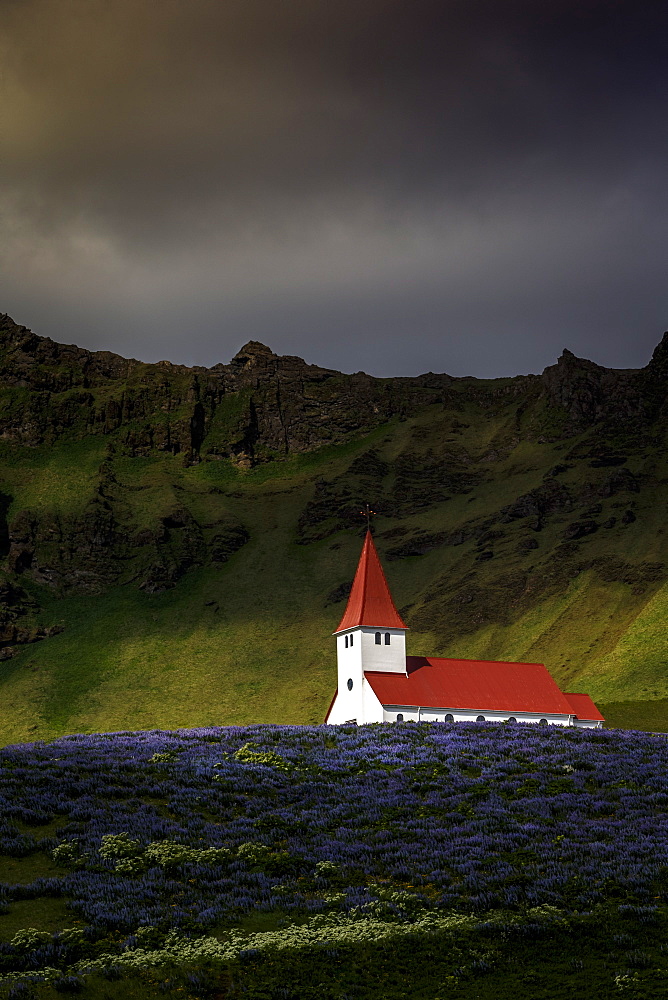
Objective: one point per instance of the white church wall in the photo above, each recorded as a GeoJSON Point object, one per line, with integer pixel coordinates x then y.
{"type": "Point", "coordinates": [349, 700]}
{"type": "Point", "coordinates": [387, 658]}
{"type": "Point", "coordinates": [362, 708]}
{"type": "Point", "coordinates": [372, 710]}
{"type": "Point", "coordinates": [408, 713]}
{"type": "Point", "coordinates": [416, 714]}
{"type": "Point", "coordinates": [357, 651]}
{"type": "Point", "coordinates": [334, 714]}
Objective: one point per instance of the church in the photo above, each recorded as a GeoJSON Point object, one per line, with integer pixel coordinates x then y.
{"type": "Point", "coordinates": [377, 682]}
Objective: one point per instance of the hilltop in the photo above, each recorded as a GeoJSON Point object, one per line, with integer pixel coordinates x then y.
{"type": "Point", "coordinates": [177, 542]}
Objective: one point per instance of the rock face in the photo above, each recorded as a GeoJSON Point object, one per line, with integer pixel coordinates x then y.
{"type": "Point", "coordinates": [586, 393]}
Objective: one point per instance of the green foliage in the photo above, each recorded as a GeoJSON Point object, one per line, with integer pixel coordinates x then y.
{"type": "Point", "coordinates": [259, 857]}
{"type": "Point", "coordinates": [67, 852]}
{"type": "Point", "coordinates": [133, 859]}
{"type": "Point", "coordinates": [327, 869]}
{"type": "Point", "coordinates": [149, 937]}
{"type": "Point", "coordinates": [392, 901]}
{"type": "Point", "coordinates": [29, 938]}
{"type": "Point", "coordinates": [498, 956]}
{"type": "Point", "coordinates": [72, 938]}
{"type": "Point", "coordinates": [119, 845]}
{"type": "Point", "coordinates": [250, 756]}
{"type": "Point", "coordinates": [131, 866]}
{"type": "Point", "coordinates": [167, 854]}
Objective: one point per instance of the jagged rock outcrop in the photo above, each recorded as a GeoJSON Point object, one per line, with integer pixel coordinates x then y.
{"type": "Point", "coordinates": [657, 369]}
{"type": "Point", "coordinates": [587, 393]}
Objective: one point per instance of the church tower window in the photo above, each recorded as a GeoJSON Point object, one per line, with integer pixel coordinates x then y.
{"type": "Point", "coordinates": [387, 638]}
{"type": "Point", "coordinates": [378, 638]}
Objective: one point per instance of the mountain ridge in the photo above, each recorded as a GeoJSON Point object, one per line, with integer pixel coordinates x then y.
{"type": "Point", "coordinates": [587, 391]}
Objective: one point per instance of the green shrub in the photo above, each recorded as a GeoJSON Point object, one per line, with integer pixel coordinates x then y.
{"type": "Point", "coordinates": [68, 852]}
{"type": "Point", "coordinates": [248, 755]}
{"type": "Point", "coordinates": [28, 938]}
{"type": "Point", "coordinates": [259, 857]}
{"type": "Point", "coordinates": [119, 845]}
{"type": "Point", "coordinates": [167, 854]}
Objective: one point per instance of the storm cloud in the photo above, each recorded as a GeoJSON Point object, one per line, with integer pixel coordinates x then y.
{"type": "Point", "coordinates": [395, 185]}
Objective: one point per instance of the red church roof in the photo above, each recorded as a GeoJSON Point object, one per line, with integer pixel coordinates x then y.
{"type": "Point", "coordinates": [370, 602]}
{"type": "Point", "coordinates": [434, 682]}
{"type": "Point", "coordinates": [583, 707]}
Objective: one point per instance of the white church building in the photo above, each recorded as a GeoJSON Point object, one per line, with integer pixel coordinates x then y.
{"type": "Point", "coordinates": [377, 682]}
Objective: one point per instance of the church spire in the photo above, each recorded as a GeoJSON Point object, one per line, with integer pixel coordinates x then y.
{"type": "Point", "coordinates": [370, 602]}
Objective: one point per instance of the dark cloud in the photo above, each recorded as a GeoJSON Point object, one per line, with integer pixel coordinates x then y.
{"type": "Point", "coordinates": [394, 185]}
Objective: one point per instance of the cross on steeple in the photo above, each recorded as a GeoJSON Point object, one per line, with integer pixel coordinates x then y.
{"type": "Point", "coordinates": [367, 513]}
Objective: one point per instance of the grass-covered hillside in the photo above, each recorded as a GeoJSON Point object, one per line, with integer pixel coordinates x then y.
{"type": "Point", "coordinates": [177, 543]}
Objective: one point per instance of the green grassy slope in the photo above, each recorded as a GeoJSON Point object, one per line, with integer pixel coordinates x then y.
{"type": "Point", "coordinates": [249, 639]}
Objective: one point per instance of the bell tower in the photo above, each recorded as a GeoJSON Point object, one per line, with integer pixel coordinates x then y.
{"type": "Point", "coordinates": [370, 636]}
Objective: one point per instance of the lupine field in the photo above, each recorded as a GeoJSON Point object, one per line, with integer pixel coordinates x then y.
{"type": "Point", "coordinates": [390, 860]}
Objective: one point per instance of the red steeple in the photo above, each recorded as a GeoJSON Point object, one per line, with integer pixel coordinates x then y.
{"type": "Point", "coordinates": [370, 602]}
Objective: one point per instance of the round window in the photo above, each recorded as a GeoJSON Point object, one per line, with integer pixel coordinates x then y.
{"type": "Point", "coordinates": [543, 722]}
{"type": "Point", "coordinates": [350, 683]}
{"type": "Point", "coordinates": [481, 718]}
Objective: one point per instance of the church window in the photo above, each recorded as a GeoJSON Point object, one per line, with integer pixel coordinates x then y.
{"type": "Point", "coordinates": [512, 719]}
{"type": "Point", "coordinates": [346, 642]}
{"type": "Point", "coordinates": [400, 717]}
{"type": "Point", "coordinates": [350, 683]}
{"type": "Point", "coordinates": [387, 638]}
{"type": "Point", "coordinates": [543, 722]}
{"type": "Point", "coordinates": [351, 639]}
{"type": "Point", "coordinates": [449, 717]}
{"type": "Point", "coordinates": [378, 638]}
{"type": "Point", "coordinates": [481, 718]}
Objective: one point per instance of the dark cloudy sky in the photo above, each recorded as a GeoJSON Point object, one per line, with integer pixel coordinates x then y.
{"type": "Point", "coordinates": [389, 185]}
